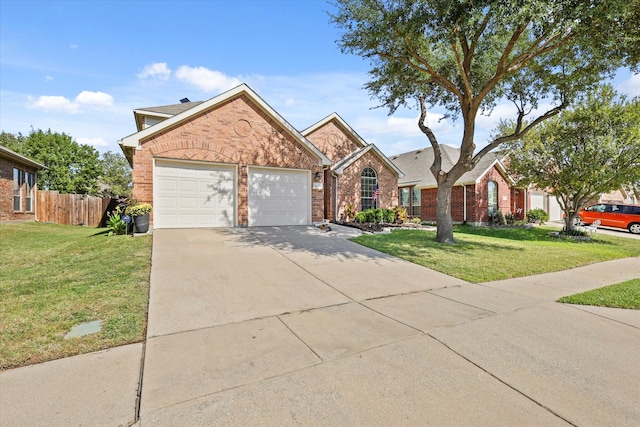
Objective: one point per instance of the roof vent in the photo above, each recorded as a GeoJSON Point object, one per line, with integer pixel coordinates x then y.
{"type": "Point", "coordinates": [184, 100]}
{"type": "Point", "coordinates": [420, 151]}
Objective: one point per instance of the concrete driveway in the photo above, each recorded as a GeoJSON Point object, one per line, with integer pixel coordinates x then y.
{"type": "Point", "coordinates": [295, 326]}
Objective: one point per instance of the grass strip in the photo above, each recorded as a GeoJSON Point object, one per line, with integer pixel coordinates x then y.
{"type": "Point", "coordinates": [621, 295]}
{"type": "Point", "coordinates": [53, 277]}
{"type": "Point", "coordinates": [484, 254]}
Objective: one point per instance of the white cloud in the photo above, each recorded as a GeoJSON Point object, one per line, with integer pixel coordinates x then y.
{"type": "Point", "coordinates": [53, 103]}
{"type": "Point", "coordinates": [406, 127]}
{"type": "Point", "coordinates": [157, 71]}
{"type": "Point", "coordinates": [631, 86]}
{"type": "Point", "coordinates": [73, 46]}
{"type": "Point", "coordinates": [61, 104]}
{"type": "Point", "coordinates": [205, 79]}
{"type": "Point", "coordinates": [48, 78]}
{"type": "Point", "coordinates": [93, 142]}
{"type": "Point", "coordinates": [98, 99]}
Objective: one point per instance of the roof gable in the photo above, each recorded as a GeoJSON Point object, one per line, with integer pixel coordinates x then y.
{"type": "Point", "coordinates": [338, 121]}
{"type": "Point", "coordinates": [343, 164]}
{"type": "Point", "coordinates": [133, 141]}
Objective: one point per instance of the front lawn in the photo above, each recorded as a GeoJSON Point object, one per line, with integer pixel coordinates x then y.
{"type": "Point", "coordinates": [483, 254]}
{"type": "Point", "coordinates": [53, 277]}
{"type": "Point", "coordinates": [621, 295]}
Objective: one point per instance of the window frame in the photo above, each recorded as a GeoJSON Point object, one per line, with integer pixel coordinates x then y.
{"type": "Point", "coordinates": [18, 178]}
{"type": "Point", "coordinates": [416, 202]}
{"type": "Point", "coordinates": [492, 205]}
{"type": "Point", "coordinates": [30, 182]}
{"type": "Point", "coordinates": [368, 182]}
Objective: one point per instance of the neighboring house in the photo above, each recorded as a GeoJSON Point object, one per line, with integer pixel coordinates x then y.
{"type": "Point", "coordinates": [234, 161]}
{"type": "Point", "coordinates": [18, 176]}
{"type": "Point", "coordinates": [476, 195]}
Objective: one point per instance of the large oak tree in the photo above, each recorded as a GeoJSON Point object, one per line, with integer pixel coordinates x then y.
{"type": "Point", "coordinates": [466, 56]}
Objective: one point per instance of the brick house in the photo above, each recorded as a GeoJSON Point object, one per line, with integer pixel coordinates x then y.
{"type": "Point", "coordinates": [477, 194]}
{"type": "Point", "coordinates": [234, 161]}
{"type": "Point", "coordinates": [18, 176]}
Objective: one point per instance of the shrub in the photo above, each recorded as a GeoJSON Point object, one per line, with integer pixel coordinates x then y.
{"type": "Point", "coordinates": [498, 218]}
{"type": "Point", "coordinates": [510, 218]}
{"type": "Point", "coordinates": [115, 223]}
{"type": "Point", "coordinates": [376, 216]}
{"type": "Point", "coordinates": [360, 218]}
{"type": "Point", "coordinates": [537, 215]}
{"type": "Point", "coordinates": [400, 214]}
{"type": "Point", "coordinates": [350, 212]}
{"type": "Point", "coordinates": [138, 209]}
{"type": "Point", "coordinates": [388, 216]}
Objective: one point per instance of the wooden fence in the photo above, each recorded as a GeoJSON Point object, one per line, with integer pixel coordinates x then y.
{"type": "Point", "coordinates": [71, 209]}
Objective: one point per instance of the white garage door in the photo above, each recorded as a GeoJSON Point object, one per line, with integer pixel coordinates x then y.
{"type": "Point", "coordinates": [537, 202]}
{"type": "Point", "coordinates": [555, 211]}
{"type": "Point", "coordinates": [192, 195]}
{"type": "Point", "coordinates": [279, 197]}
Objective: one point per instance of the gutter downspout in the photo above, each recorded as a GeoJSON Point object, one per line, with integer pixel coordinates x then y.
{"type": "Point", "coordinates": [335, 199]}
{"type": "Point", "coordinates": [464, 199]}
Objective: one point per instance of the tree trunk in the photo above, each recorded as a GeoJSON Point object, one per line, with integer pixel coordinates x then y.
{"type": "Point", "coordinates": [444, 224]}
{"type": "Point", "coordinates": [569, 221]}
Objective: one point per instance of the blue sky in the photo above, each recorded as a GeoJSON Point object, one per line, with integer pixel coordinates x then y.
{"type": "Point", "coordinates": [81, 67]}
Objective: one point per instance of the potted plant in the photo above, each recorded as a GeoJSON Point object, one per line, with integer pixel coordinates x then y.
{"type": "Point", "coordinates": [140, 214]}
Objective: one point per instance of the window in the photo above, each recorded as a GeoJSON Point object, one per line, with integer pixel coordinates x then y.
{"type": "Point", "coordinates": [30, 180]}
{"type": "Point", "coordinates": [368, 185]}
{"type": "Point", "coordinates": [17, 189]}
{"type": "Point", "coordinates": [492, 197]}
{"type": "Point", "coordinates": [413, 207]}
{"type": "Point", "coordinates": [415, 202]}
{"type": "Point", "coordinates": [403, 198]}
{"type": "Point", "coordinates": [596, 208]}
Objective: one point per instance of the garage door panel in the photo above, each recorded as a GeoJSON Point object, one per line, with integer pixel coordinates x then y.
{"type": "Point", "coordinates": [190, 195]}
{"type": "Point", "coordinates": [279, 197]}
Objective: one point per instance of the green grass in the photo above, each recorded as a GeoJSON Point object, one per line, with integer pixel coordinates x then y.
{"type": "Point", "coordinates": [622, 295]}
{"type": "Point", "coordinates": [53, 277]}
{"type": "Point", "coordinates": [483, 254]}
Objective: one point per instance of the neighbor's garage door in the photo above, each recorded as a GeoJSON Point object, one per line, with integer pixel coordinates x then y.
{"type": "Point", "coordinates": [279, 197]}
{"type": "Point", "coordinates": [191, 195]}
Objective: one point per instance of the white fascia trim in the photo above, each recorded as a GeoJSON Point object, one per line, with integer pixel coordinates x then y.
{"type": "Point", "coordinates": [134, 139]}
{"type": "Point", "coordinates": [501, 169]}
{"type": "Point", "coordinates": [340, 120]}
{"type": "Point", "coordinates": [358, 154]}
{"type": "Point", "coordinates": [151, 113]}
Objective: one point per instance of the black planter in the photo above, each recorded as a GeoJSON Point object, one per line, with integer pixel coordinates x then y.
{"type": "Point", "coordinates": [142, 223]}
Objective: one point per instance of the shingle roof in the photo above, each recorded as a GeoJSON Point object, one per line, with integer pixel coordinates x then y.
{"type": "Point", "coordinates": [415, 165]}
{"type": "Point", "coordinates": [172, 109]}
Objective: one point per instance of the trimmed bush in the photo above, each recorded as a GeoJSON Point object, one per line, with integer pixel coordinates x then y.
{"type": "Point", "coordinates": [537, 215]}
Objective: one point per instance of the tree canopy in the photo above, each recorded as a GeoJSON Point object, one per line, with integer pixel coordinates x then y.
{"type": "Point", "coordinates": [115, 179]}
{"type": "Point", "coordinates": [587, 150]}
{"type": "Point", "coordinates": [71, 167]}
{"type": "Point", "coordinates": [466, 56]}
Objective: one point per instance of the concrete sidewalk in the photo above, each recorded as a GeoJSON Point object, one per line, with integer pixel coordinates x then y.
{"type": "Point", "coordinates": [295, 326]}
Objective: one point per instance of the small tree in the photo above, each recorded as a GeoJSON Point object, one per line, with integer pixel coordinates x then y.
{"type": "Point", "coordinates": [116, 175]}
{"type": "Point", "coordinates": [591, 149]}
